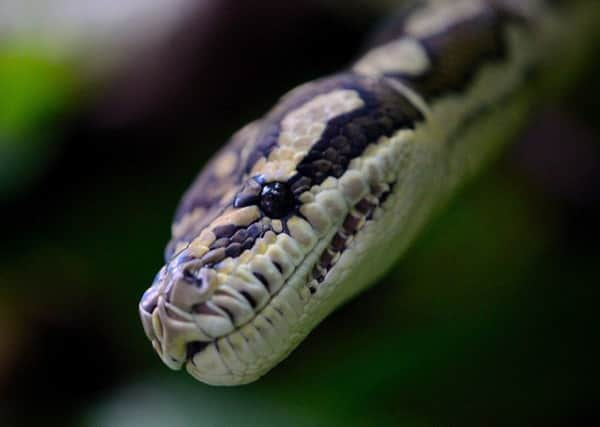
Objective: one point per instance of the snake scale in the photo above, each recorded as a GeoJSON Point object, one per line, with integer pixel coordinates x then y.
{"type": "Point", "coordinates": [307, 206]}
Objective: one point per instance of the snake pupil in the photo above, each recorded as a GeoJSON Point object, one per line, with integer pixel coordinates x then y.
{"type": "Point", "coordinates": [276, 199]}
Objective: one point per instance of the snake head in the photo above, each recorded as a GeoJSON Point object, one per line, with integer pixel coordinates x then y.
{"type": "Point", "coordinates": [268, 240]}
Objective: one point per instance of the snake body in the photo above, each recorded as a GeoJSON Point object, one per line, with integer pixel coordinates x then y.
{"type": "Point", "coordinates": [307, 206]}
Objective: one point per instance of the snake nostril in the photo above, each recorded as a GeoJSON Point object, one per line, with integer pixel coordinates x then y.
{"type": "Point", "coordinates": [192, 276]}
{"type": "Point", "coordinates": [194, 347]}
{"type": "Point", "coordinates": [189, 276]}
{"type": "Point", "coordinates": [203, 279]}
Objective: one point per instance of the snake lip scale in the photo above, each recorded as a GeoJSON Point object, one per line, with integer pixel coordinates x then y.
{"type": "Point", "coordinates": [305, 207]}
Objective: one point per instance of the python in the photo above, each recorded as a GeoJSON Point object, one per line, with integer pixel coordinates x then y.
{"type": "Point", "coordinates": [307, 206]}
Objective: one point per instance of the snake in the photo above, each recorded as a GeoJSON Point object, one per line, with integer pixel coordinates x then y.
{"type": "Point", "coordinates": [310, 204]}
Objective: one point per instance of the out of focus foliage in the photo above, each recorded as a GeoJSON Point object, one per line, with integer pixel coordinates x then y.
{"type": "Point", "coordinates": [35, 91]}
{"type": "Point", "coordinates": [490, 319]}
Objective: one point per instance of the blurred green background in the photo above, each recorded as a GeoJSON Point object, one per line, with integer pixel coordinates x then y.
{"type": "Point", "coordinates": [108, 110]}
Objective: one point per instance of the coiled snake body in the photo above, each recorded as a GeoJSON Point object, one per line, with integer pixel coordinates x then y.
{"type": "Point", "coordinates": [310, 204]}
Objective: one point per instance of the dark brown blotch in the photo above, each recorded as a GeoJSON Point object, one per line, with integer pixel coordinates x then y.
{"type": "Point", "coordinates": [364, 206]}
{"type": "Point", "coordinates": [213, 256]}
{"type": "Point", "coordinates": [338, 243]}
{"type": "Point", "coordinates": [326, 259]}
{"type": "Point", "coordinates": [352, 223]}
{"type": "Point", "coordinates": [239, 236]}
{"type": "Point", "coordinates": [225, 230]}
{"type": "Point", "coordinates": [233, 250]}
{"type": "Point", "coordinates": [220, 243]}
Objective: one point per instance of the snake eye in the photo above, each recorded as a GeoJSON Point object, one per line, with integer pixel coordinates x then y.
{"type": "Point", "coordinates": [276, 199]}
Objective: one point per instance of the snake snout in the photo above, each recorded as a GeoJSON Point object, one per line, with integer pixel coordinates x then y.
{"type": "Point", "coordinates": [171, 331]}
{"type": "Point", "coordinates": [168, 307]}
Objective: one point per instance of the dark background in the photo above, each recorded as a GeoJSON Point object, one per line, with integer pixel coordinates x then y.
{"type": "Point", "coordinates": [489, 319]}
